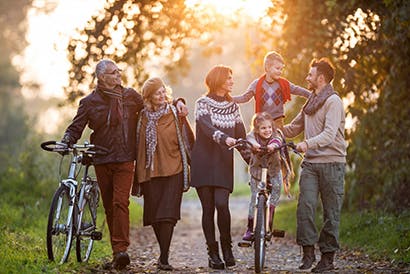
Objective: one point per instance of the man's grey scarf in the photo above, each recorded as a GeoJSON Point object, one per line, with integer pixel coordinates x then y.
{"type": "Point", "coordinates": [151, 133]}
{"type": "Point", "coordinates": [315, 102]}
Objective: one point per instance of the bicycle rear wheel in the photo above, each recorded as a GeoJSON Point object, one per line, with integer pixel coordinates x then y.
{"type": "Point", "coordinates": [87, 224]}
{"type": "Point", "coordinates": [260, 233]}
{"type": "Point", "coordinates": [60, 226]}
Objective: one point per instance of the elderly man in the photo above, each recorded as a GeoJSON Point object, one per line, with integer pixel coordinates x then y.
{"type": "Point", "coordinates": [323, 121]}
{"type": "Point", "coordinates": [111, 112]}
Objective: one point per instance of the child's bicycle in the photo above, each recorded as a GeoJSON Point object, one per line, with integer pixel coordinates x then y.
{"type": "Point", "coordinates": [262, 230]}
{"type": "Point", "coordinates": [73, 210]}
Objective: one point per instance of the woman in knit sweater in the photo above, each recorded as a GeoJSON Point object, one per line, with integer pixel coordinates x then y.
{"type": "Point", "coordinates": [218, 125]}
{"type": "Point", "coordinates": [163, 165]}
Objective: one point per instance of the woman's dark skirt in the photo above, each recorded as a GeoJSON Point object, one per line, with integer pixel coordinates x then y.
{"type": "Point", "coordinates": [162, 199]}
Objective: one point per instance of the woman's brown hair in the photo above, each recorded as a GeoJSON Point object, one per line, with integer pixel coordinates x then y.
{"type": "Point", "coordinates": [216, 77]}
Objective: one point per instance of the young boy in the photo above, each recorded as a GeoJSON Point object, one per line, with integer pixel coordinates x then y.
{"type": "Point", "coordinates": [271, 91]}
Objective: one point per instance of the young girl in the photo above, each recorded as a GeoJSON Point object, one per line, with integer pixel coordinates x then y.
{"type": "Point", "coordinates": [264, 133]}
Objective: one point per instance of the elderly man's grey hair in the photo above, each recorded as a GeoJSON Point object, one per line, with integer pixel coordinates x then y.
{"type": "Point", "coordinates": [102, 66]}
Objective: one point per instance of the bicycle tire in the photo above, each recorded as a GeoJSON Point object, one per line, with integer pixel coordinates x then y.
{"type": "Point", "coordinates": [60, 226]}
{"type": "Point", "coordinates": [87, 223]}
{"type": "Point", "coordinates": [260, 234]}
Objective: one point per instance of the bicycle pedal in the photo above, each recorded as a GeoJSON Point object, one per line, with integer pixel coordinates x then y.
{"type": "Point", "coordinates": [96, 235]}
{"type": "Point", "coordinates": [278, 233]}
{"type": "Point", "coordinates": [245, 244]}
{"type": "Point", "coordinates": [85, 226]}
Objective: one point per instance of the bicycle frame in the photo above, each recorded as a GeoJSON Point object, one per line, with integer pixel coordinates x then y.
{"type": "Point", "coordinates": [263, 232]}
{"type": "Point", "coordinates": [263, 190]}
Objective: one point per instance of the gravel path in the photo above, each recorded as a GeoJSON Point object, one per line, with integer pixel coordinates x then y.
{"type": "Point", "coordinates": [188, 250]}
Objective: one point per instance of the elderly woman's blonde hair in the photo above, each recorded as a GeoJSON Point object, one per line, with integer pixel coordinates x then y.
{"type": "Point", "coordinates": [150, 86]}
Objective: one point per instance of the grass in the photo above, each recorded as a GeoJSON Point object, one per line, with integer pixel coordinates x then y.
{"type": "Point", "coordinates": [380, 235]}
{"type": "Point", "coordinates": [23, 245]}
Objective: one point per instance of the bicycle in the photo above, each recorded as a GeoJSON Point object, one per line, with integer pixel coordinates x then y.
{"type": "Point", "coordinates": [262, 230]}
{"type": "Point", "coordinates": [73, 210]}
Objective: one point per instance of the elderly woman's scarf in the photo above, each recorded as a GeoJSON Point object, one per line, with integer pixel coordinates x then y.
{"type": "Point", "coordinates": [315, 102]}
{"type": "Point", "coordinates": [151, 133]}
{"type": "Point", "coordinates": [115, 112]}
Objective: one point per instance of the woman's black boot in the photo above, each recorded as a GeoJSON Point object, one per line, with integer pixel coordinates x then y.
{"type": "Point", "coordinates": [214, 260]}
{"type": "Point", "coordinates": [227, 252]}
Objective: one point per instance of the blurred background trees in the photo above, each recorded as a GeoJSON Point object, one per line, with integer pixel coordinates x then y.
{"type": "Point", "coordinates": [368, 41]}
{"type": "Point", "coordinates": [134, 34]}
{"type": "Point", "coordinates": [13, 120]}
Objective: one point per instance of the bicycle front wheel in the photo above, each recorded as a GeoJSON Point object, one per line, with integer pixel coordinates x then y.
{"type": "Point", "coordinates": [87, 224]}
{"type": "Point", "coordinates": [260, 233]}
{"type": "Point", "coordinates": [60, 226]}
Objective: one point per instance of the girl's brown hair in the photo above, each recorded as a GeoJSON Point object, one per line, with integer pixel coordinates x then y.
{"type": "Point", "coordinates": [216, 77]}
{"type": "Point", "coordinates": [258, 118]}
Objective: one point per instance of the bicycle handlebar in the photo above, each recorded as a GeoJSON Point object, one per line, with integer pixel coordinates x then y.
{"type": "Point", "coordinates": [245, 143]}
{"type": "Point", "coordinates": [54, 146]}
{"type": "Point", "coordinates": [240, 143]}
{"type": "Point", "coordinates": [86, 148]}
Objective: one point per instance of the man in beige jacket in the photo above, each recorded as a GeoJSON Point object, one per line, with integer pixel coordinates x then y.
{"type": "Point", "coordinates": [323, 121]}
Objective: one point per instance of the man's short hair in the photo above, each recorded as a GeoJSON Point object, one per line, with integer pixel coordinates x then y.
{"type": "Point", "coordinates": [325, 67]}
{"type": "Point", "coordinates": [101, 66]}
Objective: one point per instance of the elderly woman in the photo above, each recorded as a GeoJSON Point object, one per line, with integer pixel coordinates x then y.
{"type": "Point", "coordinates": [162, 171]}
{"type": "Point", "coordinates": [218, 124]}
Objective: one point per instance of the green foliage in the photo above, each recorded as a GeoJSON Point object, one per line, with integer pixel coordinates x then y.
{"type": "Point", "coordinates": [379, 146]}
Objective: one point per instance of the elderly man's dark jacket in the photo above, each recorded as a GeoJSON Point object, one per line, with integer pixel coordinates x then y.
{"type": "Point", "coordinates": [119, 139]}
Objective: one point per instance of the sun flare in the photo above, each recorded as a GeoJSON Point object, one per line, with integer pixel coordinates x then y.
{"type": "Point", "coordinates": [252, 8]}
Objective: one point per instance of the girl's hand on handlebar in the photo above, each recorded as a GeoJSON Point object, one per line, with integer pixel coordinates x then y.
{"type": "Point", "coordinates": [230, 141]}
{"type": "Point", "coordinates": [256, 146]}
{"type": "Point", "coordinates": [272, 147]}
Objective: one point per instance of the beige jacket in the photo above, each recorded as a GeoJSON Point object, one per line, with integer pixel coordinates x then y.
{"type": "Point", "coordinates": [324, 132]}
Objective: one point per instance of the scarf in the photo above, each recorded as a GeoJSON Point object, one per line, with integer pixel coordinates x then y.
{"type": "Point", "coordinates": [284, 87]}
{"type": "Point", "coordinates": [315, 102]}
{"type": "Point", "coordinates": [151, 132]}
{"type": "Point", "coordinates": [115, 112]}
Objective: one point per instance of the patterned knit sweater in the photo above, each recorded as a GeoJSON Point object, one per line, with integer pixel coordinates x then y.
{"type": "Point", "coordinates": [272, 100]}
{"type": "Point", "coordinates": [212, 161]}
